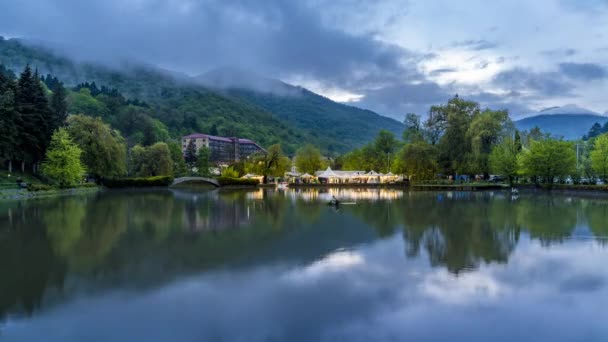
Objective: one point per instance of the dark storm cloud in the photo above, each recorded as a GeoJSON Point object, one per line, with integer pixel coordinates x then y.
{"type": "Point", "coordinates": [540, 83]}
{"type": "Point", "coordinates": [584, 71]}
{"type": "Point", "coordinates": [280, 38]}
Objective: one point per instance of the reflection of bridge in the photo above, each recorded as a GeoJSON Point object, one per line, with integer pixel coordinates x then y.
{"type": "Point", "coordinates": [180, 180]}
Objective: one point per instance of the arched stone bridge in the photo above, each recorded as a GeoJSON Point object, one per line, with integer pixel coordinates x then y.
{"type": "Point", "coordinates": [180, 180]}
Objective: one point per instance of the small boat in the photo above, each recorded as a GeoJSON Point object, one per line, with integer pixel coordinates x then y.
{"type": "Point", "coordinates": [283, 185]}
{"type": "Point", "coordinates": [514, 191]}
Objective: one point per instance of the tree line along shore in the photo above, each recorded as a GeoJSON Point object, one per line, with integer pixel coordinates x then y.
{"type": "Point", "coordinates": [49, 138]}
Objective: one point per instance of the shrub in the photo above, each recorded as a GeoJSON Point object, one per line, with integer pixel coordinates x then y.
{"type": "Point", "coordinates": [138, 182]}
{"type": "Point", "coordinates": [38, 187]}
{"type": "Point", "coordinates": [226, 181]}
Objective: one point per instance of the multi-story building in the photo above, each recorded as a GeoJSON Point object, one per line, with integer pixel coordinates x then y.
{"type": "Point", "coordinates": [223, 150]}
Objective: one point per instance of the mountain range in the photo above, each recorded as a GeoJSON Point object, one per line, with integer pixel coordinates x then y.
{"type": "Point", "coordinates": [228, 100]}
{"type": "Point", "coordinates": [570, 122]}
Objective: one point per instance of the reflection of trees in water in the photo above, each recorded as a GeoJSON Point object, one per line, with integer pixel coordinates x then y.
{"type": "Point", "coordinates": [596, 215]}
{"type": "Point", "coordinates": [28, 264]}
{"type": "Point", "coordinates": [459, 234]}
{"type": "Point", "coordinates": [462, 229]}
{"type": "Point", "coordinates": [548, 219]}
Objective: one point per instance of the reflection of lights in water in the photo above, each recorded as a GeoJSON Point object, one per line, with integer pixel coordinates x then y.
{"type": "Point", "coordinates": [310, 195]}
{"type": "Point", "coordinates": [255, 195]}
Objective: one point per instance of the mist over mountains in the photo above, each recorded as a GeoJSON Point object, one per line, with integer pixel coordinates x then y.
{"type": "Point", "coordinates": [228, 99]}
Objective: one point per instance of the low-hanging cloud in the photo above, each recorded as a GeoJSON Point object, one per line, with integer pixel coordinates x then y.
{"type": "Point", "coordinates": [311, 40]}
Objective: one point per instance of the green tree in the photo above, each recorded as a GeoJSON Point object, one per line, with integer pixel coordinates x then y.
{"type": "Point", "coordinates": [158, 160]}
{"type": "Point", "coordinates": [58, 104]}
{"type": "Point", "coordinates": [83, 102]}
{"type": "Point", "coordinates": [308, 159]}
{"type": "Point", "coordinates": [599, 156]}
{"type": "Point", "coordinates": [418, 161]}
{"type": "Point", "coordinates": [454, 120]}
{"type": "Point", "coordinates": [203, 163]}
{"type": "Point", "coordinates": [137, 161]}
{"type": "Point", "coordinates": [486, 129]}
{"type": "Point", "coordinates": [386, 143]}
{"type": "Point", "coordinates": [104, 149]}
{"type": "Point", "coordinates": [503, 158]}
{"type": "Point", "coordinates": [32, 104]}
{"type": "Point", "coordinates": [179, 164]}
{"type": "Point", "coordinates": [548, 159]}
{"type": "Point", "coordinates": [10, 128]}
{"type": "Point", "coordinates": [413, 128]}
{"type": "Point", "coordinates": [272, 163]}
{"type": "Point", "coordinates": [62, 162]}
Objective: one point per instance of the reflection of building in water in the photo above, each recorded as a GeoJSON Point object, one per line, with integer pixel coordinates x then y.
{"type": "Point", "coordinates": [214, 214]}
{"type": "Point", "coordinates": [258, 194]}
{"type": "Point", "coordinates": [346, 194]}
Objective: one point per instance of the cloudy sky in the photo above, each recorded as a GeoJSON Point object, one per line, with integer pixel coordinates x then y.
{"type": "Point", "coordinates": [393, 56]}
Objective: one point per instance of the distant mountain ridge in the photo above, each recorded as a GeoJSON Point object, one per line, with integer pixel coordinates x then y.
{"type": "Point", "coordinates": [249, 105]}
{"type": "Point", "coordinates": [350, 125]}
{"type": "Point", "coordinates": [567, 109]}
{"type": "Point", "coordinates": [568, 126]}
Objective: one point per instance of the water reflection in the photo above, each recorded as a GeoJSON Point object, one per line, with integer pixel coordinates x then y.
{"type": "Point", "coordinates": [56, 251]}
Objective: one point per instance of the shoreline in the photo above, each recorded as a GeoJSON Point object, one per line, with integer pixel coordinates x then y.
{"type": "Point", "coordinates": [22, 194]}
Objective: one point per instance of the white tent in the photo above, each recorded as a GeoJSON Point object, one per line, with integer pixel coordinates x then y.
{"type": "Point", "coordinates": [329, 173]}
{"type": "Point", "coordinates": [306, 175]}
{"type": "Point", "coordinates": [373, 173]}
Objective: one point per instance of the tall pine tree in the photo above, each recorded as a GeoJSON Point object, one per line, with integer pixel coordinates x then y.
{"type": "Point", "coordinates": [9, 119]}
{"type": "Point", "coordinates": [32, 104]}
{"type": "Point", "coordinates": [58, 106]}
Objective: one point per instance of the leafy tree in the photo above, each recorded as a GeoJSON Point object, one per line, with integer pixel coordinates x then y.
{"type": "Point", "coordinates": [599, 155]}
{"type": "Point", "coordinates": [230, 172]}
{"type": "Point", "coordinates": [158, 160]}
{"type": "Point", "coordinates": [503, 158]}
{"type": "Point", "coordinates": [413, 128]}
{"type": "Point", "coordinates": [104, 149]}
{"type": "Point", "coordinates": [486, 129]}
{"type": "Point", "coordinates": [83, 101]}
{"type": "Point", "coordinates": [179, 164]}
{"type": "Point", "coordinates": [137, 161]}
{"type": "Point", "coordinates": [272, 163]}
{"type": "Point", "coordinates": [386, 143]}
{"type": "Point", "coordinates": [548, 159]}
{"type": "Point", "coordinates": [62, 162]}
{"type": "Point", "coordinates": [454, 147]}
{"type": "Point", "coordinates": [308, 159]}
{"type": "Point", "coordinates": [418, 161]}
{"type": "Point", "coordinates": [203, 163]}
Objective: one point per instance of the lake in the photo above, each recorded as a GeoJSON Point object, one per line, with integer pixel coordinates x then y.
{"type": "Point", "coordinates": [266, 265]}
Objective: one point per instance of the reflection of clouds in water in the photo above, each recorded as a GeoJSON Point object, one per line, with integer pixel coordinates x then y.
{"type": "Point", "coordinates": [443, 286]}
{"type": "Point", "coordinates": [340, 261]}
{"type": "Point", "coordinates": [369, 293]}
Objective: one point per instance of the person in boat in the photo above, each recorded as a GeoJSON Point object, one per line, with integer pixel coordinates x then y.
{"type": "Point", "coordinates": [334, 201]}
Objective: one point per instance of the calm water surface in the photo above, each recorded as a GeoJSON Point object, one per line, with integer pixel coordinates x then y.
{"type": "Point", "coordinates": [179, 265]}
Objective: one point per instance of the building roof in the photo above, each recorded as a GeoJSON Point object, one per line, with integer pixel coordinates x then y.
{"type": "Point", "coordinates": [334, 173]}
{"type": "Point", "coordinates": [213, 137]}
